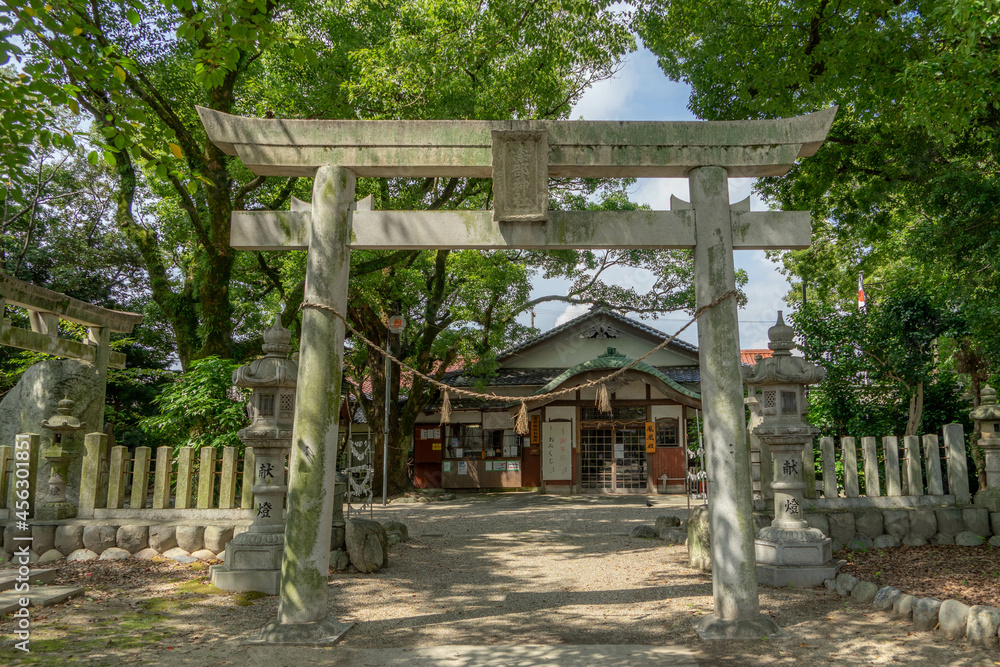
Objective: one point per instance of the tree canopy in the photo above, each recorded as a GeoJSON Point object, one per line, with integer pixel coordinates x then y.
{"type": "Point", "coordinates": [907, 186]}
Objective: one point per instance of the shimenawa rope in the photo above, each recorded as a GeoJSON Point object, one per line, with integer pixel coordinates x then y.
{"type": "Point", "coordinates": [521, 424]}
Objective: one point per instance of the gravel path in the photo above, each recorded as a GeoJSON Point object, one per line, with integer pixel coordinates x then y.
{"type": "Point", "coordinates": [509, 570]}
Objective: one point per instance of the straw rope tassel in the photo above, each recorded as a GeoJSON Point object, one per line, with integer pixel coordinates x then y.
{"type": "Point", "coordinates": [521, 425]}
{"type": "Point", "coordinates": [603, 399]}
{"type": "Point", "coordinates": [445, 410]}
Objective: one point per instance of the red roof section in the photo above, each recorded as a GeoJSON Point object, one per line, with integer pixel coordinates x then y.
{"type": "Point", "coordinates": [407, 377]}
{"type": "Point", "coordinates": [747, 356]}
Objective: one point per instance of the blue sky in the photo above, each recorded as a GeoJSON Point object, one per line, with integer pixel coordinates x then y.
{"type": "Point", "coordinates": [640, 91]}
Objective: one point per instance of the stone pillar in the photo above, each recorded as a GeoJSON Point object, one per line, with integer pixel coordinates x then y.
{"type": "Point", "coordinates": [730, 501]}
{"type": "Point", "coordinates": [302, 613]}
{"type": "Point", "coordinates": [24, 467]}
{"type": "Point", "coordinates": [958, 463]}
{"type": "Point", "coordinates": [870, 453]}
{"type": "Point", "coordinates": [764, 474]}
{"type": "Point", "coordinates": [100, 337]}
{"type": "Point", "coordinates": [95, 446]}
{"type": "Point", "coordinates": [890, 451]}
{"type": "Point", "coordinates": [849, 457]}
{"type": "Point", "coordinates": [809, 469]}
{"type": "Point", "coordinates": [914, 477]}
{"type": "Point", "coordinates": [829, 468]}
{"type": "Point", "coordinates": [987, 416]}
{"type": "Point", "coordinates": [338, 531]}
{"type": "Point", "coordinates": [788, 484]}
{"type": "Point", "coordinates": [932, 453]}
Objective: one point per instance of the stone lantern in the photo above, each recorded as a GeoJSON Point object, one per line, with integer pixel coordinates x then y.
{"type": "Point", "coordinates": [988, 417]}
{"type": "Point", "coordinates": [60, 454]}
{"type": "Point", "coordinates": [253, 558]}
{"type": "Point", "coordinates": [789, 552]}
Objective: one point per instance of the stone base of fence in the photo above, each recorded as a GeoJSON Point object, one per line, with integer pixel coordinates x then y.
{"type": "Point", "coordinates": [878, 502]}
{"type": "Point", "coordinates": [91, 539]}
{"type": "Point", "coordinates": [916, 526]}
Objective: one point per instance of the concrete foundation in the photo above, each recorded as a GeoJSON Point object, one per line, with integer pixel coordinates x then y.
{"type": "Point", "coordinates": [758, 627]}
{"type": "Point", "coordinates": [327, 631]}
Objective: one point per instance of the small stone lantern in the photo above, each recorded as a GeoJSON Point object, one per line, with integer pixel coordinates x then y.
{"type": "Point", "coordinates": [60, 454]}
{"type": "Point", "coordinates": [988, 417]}
{"type": "Point", "coordinates": [789, 552]}
{"type": "Point", "coordinates": [253, 558]}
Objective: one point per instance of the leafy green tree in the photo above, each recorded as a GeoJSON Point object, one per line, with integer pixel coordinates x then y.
{"type": "Point", "coordinates": [884, 373]}
{"type": "Point", "coordinates": [136, 70]}
{"type": "Point", "coordinates": [906, 185]}
{"type": "Point", "coordinates": [56, 231]}
{"type": "Point", "coordinates": [200, 408]}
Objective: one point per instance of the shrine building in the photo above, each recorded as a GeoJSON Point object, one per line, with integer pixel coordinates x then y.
{"type": "Point", "coordinates": [573, 447]}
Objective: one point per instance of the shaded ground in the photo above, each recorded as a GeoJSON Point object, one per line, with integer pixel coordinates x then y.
{"type": "Point", "coordinates": [967, 574]}
{"type": "Point", "coordinates": [485, 570]}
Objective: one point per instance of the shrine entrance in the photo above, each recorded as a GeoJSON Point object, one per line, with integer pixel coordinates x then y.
{"type": "Point", "coordinates": [613, 459]}
{"type": "Point", "coordinates": [520, 156]}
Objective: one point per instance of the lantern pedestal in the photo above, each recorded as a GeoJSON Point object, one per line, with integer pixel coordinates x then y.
{"type": "Point", "coordinates": [800, 559]}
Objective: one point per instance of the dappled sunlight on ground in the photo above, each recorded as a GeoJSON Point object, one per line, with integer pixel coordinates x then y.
{"type": "Point", "coordinates": [508, 571]}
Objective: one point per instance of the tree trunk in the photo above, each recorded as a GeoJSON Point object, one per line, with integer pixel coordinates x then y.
{"type": "Point", "coordinates": [916, 410]}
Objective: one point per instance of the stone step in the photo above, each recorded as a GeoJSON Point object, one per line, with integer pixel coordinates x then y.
{"type": "Point", "coordinates": [8, 578]}
{"type": "Point", "coordinates": [40, 596]}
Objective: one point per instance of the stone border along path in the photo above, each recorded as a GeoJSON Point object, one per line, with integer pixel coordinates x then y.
{"type": "Point", "coordinates": [77, 542]}
{"type": "Point", "coordinates": [980, 624]}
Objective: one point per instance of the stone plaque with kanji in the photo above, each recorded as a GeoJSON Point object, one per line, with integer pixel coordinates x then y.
{"type": "Point", "coordinates": [520, 175]}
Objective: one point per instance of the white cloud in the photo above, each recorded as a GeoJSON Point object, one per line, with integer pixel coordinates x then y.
{"type": "Point", "coordinates": [572, 311]}
{"type": "Point", "coordinates": [640, 91]}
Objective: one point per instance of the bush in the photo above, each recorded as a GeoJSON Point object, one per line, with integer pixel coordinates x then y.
{"type": "Point", "coordinates": [201, 408]}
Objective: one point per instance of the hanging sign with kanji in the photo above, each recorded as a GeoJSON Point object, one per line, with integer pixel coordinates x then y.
{"type": "Point", "coordinates": [536, 430]}
{"type": "Point", "coordinates": [650, 437]}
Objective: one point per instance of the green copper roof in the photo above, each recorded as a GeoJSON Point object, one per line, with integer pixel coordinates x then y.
{"type": "Point", "coordinates": [611, 360]}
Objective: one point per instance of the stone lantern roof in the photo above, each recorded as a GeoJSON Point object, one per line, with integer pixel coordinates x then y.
{"type": "Point", "coordinates": [782, 368]}
{"type": "Point", "coordinates": [64, 421]}
{"type": "Point", "coordinates": [988, 411]}
{"type": "Point", "coordinates": [274, 369]}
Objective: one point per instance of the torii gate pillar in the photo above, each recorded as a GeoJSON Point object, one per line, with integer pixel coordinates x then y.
{"type": "Point", "coordinates": [734, 564]}
{"type": "Point", "coordinates": [312, 467]}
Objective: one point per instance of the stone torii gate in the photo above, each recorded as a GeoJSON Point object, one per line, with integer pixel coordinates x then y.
{"type": "Point", "coordinates": [45, 308]}
{"type": "Point", "coordinates": [520, 157]}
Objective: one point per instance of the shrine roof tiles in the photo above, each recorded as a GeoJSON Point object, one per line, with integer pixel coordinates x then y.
{"type": "Point", "coordinates": [598, 310]}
